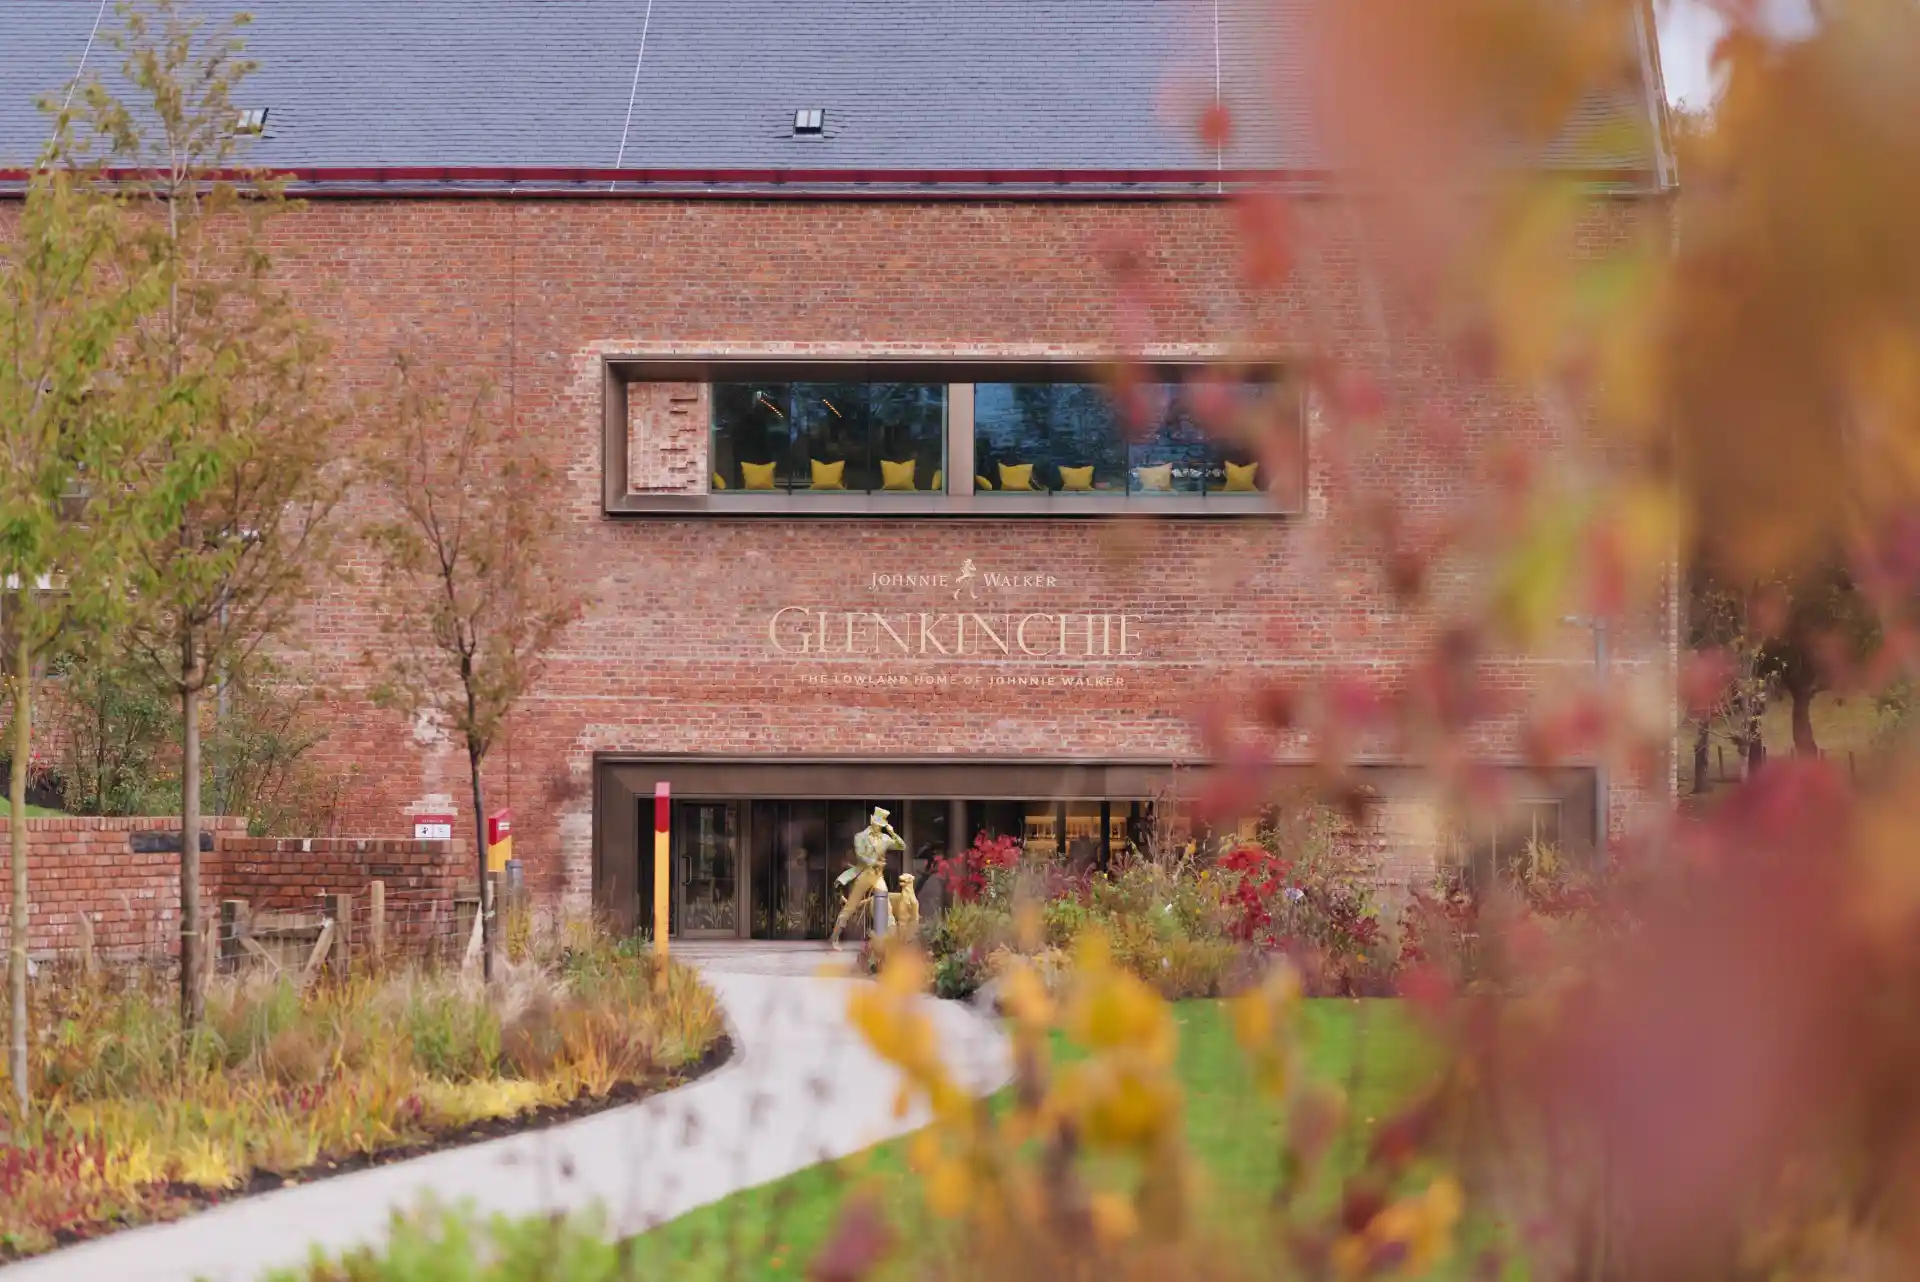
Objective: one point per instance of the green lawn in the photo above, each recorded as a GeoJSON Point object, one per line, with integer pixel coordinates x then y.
{"type": "Point", "coordinates": [1840, 725]}
{"type": "Point", "coordinates": [33, 812]}
{"type": "Point", "coordinates": [1370, 1048]}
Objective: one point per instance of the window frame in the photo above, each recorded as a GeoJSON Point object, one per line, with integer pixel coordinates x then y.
{"type": "Point", "coordinates": [1285, 497]}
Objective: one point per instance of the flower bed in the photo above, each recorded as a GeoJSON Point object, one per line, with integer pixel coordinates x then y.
{"type": "Point", "coordinates": [135, 1122]}
{"type": "Point", "coordinates": [1190, 924]}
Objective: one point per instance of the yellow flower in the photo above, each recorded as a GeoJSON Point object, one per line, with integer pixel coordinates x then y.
{"type": "Point", "coordinates": [1029, 927]}
{"type": "Point", "coordinates": [1114, 1219]}
{"type": "Point", "coordinates": [1262, 1021]}
{"type": "Point", "coordinates": [923, 1151]}
{"type": "Point", "coordinates": [1414, 1233]}
{"type": "Point", "coordinates": [1112, 1010]}
{"type": "Point", "coordinates": [1120, 1104]}
{"type": "Point", "coordinates": [1025, 998]}
{"type": "Point", "coordinates": [948, 1185]}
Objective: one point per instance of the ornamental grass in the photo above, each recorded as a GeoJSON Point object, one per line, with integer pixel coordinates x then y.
{"type": "Point", "coordinates": [137, 1121]}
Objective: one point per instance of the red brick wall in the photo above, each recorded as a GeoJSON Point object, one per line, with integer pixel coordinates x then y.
{"type": "Point", "coordinates": [87, 866]}
{"type": "Point", "coordinates": [290, 874]}
{"type": "Point", "coordinates": [671, 656]}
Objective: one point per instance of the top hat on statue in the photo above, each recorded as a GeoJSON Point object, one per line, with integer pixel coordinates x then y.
{"type": "Point", "coordinates": [879, 817]}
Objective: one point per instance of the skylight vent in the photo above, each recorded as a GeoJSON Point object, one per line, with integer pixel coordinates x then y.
{"type": "Point", "coordinates": [809, 122]}
{"type": "Point", "coordinates": [252, 121]}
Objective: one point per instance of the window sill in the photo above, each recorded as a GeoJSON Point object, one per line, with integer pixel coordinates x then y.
{"type": "Point", "coordinates": [803, 504]}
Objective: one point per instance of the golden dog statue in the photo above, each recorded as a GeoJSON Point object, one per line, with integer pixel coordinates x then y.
{"type": "Point", "coordinates": [906, 907]}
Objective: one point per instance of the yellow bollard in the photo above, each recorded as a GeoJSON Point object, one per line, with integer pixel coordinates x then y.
{"type": "Point", "coordinates": [662, 814]}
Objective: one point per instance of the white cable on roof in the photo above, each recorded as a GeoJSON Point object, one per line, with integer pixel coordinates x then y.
{"type": "Point", "coordinates": [633, 93]}
{"type": "Point", "coordinates": [81, 70]}
{"type": "Point", "coordinates": [1219, 145]}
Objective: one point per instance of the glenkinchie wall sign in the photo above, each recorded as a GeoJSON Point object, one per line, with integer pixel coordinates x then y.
{"type": "Point", "coordinates": [964, 623]}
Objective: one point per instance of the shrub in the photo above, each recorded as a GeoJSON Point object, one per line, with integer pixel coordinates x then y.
{"type": "Point", "coordinates": [959, 975]}
{"type": "Point", "coordinates": [58, 1189]}
{"type": "Point", "coordinates": [967, 875]}
{"type": "Point", "coordinates": [1065, 919]}
{"type": "Point", "coordinates": [438, 1245]}
{"type": "Point", "coordinates": [1168, 920]}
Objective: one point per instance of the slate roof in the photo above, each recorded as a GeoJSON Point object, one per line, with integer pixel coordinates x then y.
{"type": "Point", "coordinates": [1043, 92]}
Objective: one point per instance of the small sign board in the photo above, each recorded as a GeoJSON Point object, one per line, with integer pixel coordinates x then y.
{"type": "Point", "coordinates": [433, 827]}
{"type": "Point", "coordinates": [499, 839]}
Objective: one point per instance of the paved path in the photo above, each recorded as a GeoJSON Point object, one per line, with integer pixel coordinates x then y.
{"type": "Point", "coordinates": [797, 1072]}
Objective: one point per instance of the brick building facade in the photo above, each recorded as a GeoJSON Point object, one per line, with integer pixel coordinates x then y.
{"type": "Point", "coordinates": [757, 650]}
{"type": "Point", "coordinates": [553, 301]}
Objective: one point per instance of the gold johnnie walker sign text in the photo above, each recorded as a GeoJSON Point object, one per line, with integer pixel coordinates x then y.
{"type": "Point", "coordinates": [957, 633]}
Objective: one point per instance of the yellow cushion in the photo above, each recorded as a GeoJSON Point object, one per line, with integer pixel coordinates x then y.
{"type": "Point", "coordinates": [1240, 477]}
{"type": "Point", "coordinates": [979, 483]}
{"type": "Point", "coordinates": [939, 482]}
{"type": "Point", "coordinates": [759, 476]}
{"type": "Point", "coordinates": [826, 476]}
{"type": "Point", "coordinates": [1077, 478]}
{"type": "Point", "coordinates": [719, 481]}
{"type": "Point", "coordinates": [1016, 476]}
{"type": "Point", "coordinates": [1155, 478]}
{"type": "Point", "coordinates": [896, 476]}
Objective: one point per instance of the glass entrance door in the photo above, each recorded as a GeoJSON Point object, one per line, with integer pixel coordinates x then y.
{"type": "Point", "coordinates": [707, 850]}
{"type": "Point", "coordinates": [790, 880]}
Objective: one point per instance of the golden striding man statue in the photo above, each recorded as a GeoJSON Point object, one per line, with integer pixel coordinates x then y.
{"type": "Point", "coordinates": [868, 871]}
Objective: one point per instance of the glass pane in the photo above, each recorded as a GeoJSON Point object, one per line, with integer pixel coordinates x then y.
{"type": "Point", "coordinates": [909, 432]}
{"type": "Point", "coordinates": [1236, 465]}
{"type": "Point", "coordinates": [1062, 438]}
{"type": "Point", "coordinates": [709, 866]}
{"type": "Point", "coordinates": [751, 435]}
{"type": "Point", "coordinates": [830, 447]}
{"type": "Point", "coordinates": [767, 859]}
{"type": "Point", "coordinates": [1011, 427]}
{"type": "Point", "coordinates": [1040, 828]}
{"type": "Point", "coordinates": [994, 819]}
{"type": "Point", "coordinates": [790, 870]}
{"type": "Point", "coordinates": [1089, 453]}
{"type": "Point", "coordinates": [929, 820]}
{"type": "Point", "coordinates": [1176, 455]}
{"type": "Point", "coordinates": [1083, 837]}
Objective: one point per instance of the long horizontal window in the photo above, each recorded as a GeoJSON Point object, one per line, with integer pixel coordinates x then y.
{"type": "Point", "coordinates": [1071, 439]}
{"type": "Point", "coordinates": [929, 438]}
{"type": "Point", "coordinates": [829, 438]}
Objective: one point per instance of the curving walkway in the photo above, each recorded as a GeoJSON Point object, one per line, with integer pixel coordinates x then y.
{"type": "Point", "coordinates": [800, 1089]}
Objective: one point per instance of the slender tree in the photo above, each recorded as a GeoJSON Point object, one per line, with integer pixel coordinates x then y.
{"type": "Point", "coordinates": [234, 483]}
{"type": "Point", "coordinates": [474, 593]}
{"type": "Point", "coordinates": [64, 437]}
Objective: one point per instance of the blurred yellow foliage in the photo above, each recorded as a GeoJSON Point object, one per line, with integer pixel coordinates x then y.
{"type": "Point", "coordinates": [1090, 1161]}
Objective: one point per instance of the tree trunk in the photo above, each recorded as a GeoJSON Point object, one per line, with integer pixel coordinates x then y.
{"type": "Point", "coordinates": [480, 864]}
{"type": "Point", "coordinates": [1753, 741]}
{"type": "Point", "coordinates": [1701, 742]}
{"type": "Point", "coordinates": [193, 994]}
{"type": "Point", "coordinates": [17, 864]}
{"type": "Point", "coordinates": [1801, 693]}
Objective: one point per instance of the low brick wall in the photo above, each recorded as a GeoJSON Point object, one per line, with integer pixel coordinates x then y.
{"type": "Point", "coordinates": [124, 876]}
{"type": "Point", "coordinates": [422, 880]}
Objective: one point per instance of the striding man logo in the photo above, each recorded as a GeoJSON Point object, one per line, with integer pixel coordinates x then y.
{"type": "Point", "coordinates": [965, 582]}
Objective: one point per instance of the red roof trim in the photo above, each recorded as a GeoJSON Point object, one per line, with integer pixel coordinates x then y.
{"type": "Point", "coordinates": [627, 182]}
